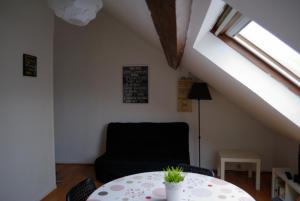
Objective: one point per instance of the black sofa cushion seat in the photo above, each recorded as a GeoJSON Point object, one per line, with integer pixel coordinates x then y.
{"type": "Point", "coordinates": [141, 147]}
{"type": "Point", "coordinates": [110, 168]}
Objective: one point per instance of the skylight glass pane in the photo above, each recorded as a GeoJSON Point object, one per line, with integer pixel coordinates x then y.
{"type": "Point", "coordinates": [273, 46]}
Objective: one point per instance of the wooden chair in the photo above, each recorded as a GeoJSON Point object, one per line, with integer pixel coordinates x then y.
{"type": "Point", "coordinates": [81, 191]}
{"type": "Point", "coordinates": [198, 170]}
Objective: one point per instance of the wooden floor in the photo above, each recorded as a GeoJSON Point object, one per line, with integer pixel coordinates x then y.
{"type": "Point", "coordinates": [70, 175]}
{"type": "Point", "coordinates": [241, 180]}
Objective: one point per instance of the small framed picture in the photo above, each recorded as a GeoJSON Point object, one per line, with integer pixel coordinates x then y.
{"type": "Point", "coordinates": [29, 65]}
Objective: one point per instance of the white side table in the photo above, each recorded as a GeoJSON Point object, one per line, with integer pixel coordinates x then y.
{"type": "Point", "coordinates": [237, 156]}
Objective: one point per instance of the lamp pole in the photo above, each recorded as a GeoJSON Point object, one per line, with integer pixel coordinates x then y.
{"type": "Point", "coordinates": [199, 91]}
{"type": "Point", "coordinates": [199, 136]}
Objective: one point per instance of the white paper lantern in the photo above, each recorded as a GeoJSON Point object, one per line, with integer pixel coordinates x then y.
{"type": "Point", "coordinates": [77, 12]}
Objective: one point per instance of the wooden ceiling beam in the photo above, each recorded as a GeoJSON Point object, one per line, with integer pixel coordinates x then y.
{"type": "Point", "coordinates": [171, 19]}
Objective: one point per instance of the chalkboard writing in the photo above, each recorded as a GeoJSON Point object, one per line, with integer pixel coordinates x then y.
{"type": "Point", "coordinates": [135, 84]}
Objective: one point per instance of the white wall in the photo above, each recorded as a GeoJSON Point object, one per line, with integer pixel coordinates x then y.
{"type": "Point", "coordinates": [88, 86]}
{"type": "Point", "coordinates": [285, 152]}
{"type": "Point", "coordinates": [27, 169]}
{"type": "Point", "coordinates": [88, 95]}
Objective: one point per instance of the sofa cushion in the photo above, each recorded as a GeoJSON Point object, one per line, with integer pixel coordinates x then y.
{"type": "Point", "coordinates": [108, 168]}
{"type": "Point", "coordinates": [152, 141]}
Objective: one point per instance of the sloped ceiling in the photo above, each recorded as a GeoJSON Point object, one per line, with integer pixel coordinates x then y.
{"type": "Point", "coordinates": [277, 16]}
{"type": "Point", "coordinates": [135, 15]}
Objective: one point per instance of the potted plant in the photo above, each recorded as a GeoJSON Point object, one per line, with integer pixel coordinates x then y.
{"type": "Point", "coordinates": [173, 181]}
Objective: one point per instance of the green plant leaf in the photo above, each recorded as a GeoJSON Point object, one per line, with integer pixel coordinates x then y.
{"type": "Point", "coordinates": [173, 174]}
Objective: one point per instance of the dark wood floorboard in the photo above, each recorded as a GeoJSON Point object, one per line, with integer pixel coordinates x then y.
{"type": "Point", "coordinates": [241, 180]}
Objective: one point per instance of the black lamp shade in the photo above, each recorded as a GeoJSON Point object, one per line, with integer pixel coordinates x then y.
{"type": "Point", "coordinates": [199, 91]}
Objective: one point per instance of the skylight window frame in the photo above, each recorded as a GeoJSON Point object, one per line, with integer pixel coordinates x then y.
{"type": "Point", "coordinates": [268, 59]}
{"type": "Point", "coordinates": [227, 28]}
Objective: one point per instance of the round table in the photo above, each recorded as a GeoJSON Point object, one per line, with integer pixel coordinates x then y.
{"type": "Point", "coordinates": [150, 186]}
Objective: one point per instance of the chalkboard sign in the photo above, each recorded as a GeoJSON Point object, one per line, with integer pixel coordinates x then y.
{"type": "Point", "coordinates": [29, 65]}
{"type": "Point", "coordinates": [135, 84]}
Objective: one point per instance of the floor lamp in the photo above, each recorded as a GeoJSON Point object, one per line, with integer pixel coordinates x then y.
{"type": "Point", "coordinates": [199, 91]}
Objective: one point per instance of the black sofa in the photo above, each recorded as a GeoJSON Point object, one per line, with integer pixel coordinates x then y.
{"type": "Point", "coordinates": [140, 147]}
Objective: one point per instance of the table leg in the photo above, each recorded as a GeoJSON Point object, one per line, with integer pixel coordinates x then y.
{"type": "Point", "coordinates": [250, 170]}
{"type": "Point", "coordinates": [273, 183]}
{"type": "Point", "coordinates": [219, 168]}
{"type": "Point", "coordinates": [222, 169]}
{"type": "Point", "coordinates": [257, 182]}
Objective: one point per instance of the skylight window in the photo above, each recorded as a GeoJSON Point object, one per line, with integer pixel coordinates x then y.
{"type": "Point", "coordinates": [239, 63]}
{"type": "Point", "coordinates": [266, 46]}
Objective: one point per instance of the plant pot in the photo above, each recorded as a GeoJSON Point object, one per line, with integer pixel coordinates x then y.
{"type": "Point", "coordinates": [173, 191]}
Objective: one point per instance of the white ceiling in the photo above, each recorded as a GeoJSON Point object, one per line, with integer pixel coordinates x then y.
{"type": "Point", "coordinates": [279, 18]}
{"type": "Point", "coordinates": [135, 15]}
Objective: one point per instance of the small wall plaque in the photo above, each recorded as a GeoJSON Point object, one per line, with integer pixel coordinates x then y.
{"type": "Point", "coordinates": [29, 65]}
{"type": "Point", "coordinates": [183, 103]}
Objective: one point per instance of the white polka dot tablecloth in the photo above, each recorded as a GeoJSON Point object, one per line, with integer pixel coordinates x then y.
{"type": "Point", "coordinates": [150, 186]}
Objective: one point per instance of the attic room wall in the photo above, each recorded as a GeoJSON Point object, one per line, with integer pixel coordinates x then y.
{"type": "Point", "coordinates": [27, 169]}
{"type": "Point", "coordinates": [88, 95]}
{"type": "Point", "coordinates": [279, 18]}
{"type": "Point", "coordinates": [285, 152]}
{"type": "Point", "coordinates": [283, 148]}
{"type": "Point", "coordinates": [88, 86]}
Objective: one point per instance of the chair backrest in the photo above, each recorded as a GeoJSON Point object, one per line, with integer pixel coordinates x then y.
{"type": "Point", "coordinates": [81, 191]}
{"type": "Point", "coordinates": [198, 170]}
